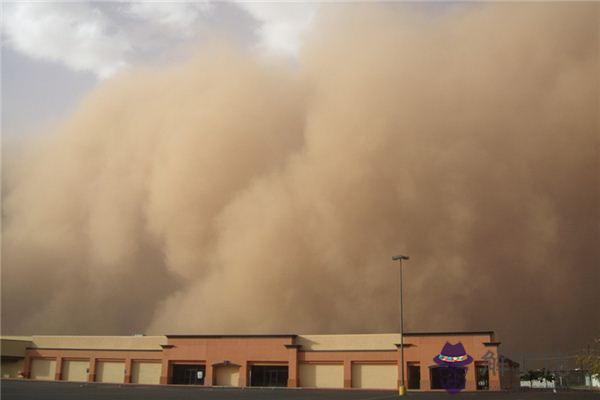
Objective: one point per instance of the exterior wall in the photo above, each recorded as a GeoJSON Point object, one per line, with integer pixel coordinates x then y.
{"type": "Point", "coordinates": [312, 360]}
{"type": "Point", "coordinates": [346, 358]}
{"type": "Point", "coordinates": [99, 342]}
{"type": "Point", "coordinates": [93, 357]}
{"type": "Point", "coordinates": [321, 375]}
{"type": "Point", "coordinates": [419, 349]}
{"type": "Point", "coordinates": [14, 346]}
{"type": "Point", "coordinates": [75, 370]}
{"type": "Point", "coordinates": [146, 372]}
{"type": "Point", "coordinates": [375, 376]}
{"type": "Point", "coordinates": [110, 371]}
{"type": "Point", "coordinates": [11, 367]}
{"type": "Point", "coordinates": [423, 348]}
{"type": "Point", "coordinates": [215, 350]}
{"type": "Point", "coordinates": [43, 369]}
{"type": "Point", "coordinates": [13, 349]}
{"type": "Point", "coordinates": [227, 375]}
{"type": "Point", "coordinates": [348, 342]}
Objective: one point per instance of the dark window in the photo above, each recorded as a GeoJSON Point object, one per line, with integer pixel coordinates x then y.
{"type": "Point", "coordinates": [414, 376]}
{"type": "Point", "coordinates": [483, 377]}
{"type": "Point", "coordinates": [436, 382]}
{"type": "Point", "coordinates": [449, 378]}
{"type": "Point", "coordinates": [188, 374]}
{"type": "Point", "coordinates": [268, 375]}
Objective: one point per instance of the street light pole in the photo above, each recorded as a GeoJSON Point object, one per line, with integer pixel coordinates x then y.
{"type": "Point", "coordinates": [402, 387]}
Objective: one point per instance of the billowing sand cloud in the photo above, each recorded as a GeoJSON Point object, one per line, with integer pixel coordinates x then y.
{"type": "Point", "coordinates": [234, 195]}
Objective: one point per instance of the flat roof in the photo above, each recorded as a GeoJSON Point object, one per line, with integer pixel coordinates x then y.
{"type": "Point", "coordinates": [451, 333]}
{"type": "Point", "coordinates": [17, 338]}
{"type": "Point", "coordinates": [439, 333]}
{"type": "Point", "coordinates": [230, 336]}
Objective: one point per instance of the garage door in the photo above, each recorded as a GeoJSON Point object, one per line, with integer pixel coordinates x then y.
{"type": "Point", "coordinates": [228, 376]}
{"type": "Point", "coordinates": [110, 371]}
{"type": "Point", "coordinates": [145, 372]}
{"type": "Point", "coordinates": [321, 375]}
{"type": "Point", "coordinates": [43, 369]}
{"type": "Point", "coordinates": [75, 371]}
{"type": "Point", "coordinates": [375, 376]}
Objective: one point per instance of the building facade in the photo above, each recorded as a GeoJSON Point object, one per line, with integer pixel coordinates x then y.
{"type": "Point", "coordinates": [364, 361]}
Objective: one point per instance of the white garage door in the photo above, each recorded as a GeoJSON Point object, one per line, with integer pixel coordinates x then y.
{"type": "Point", "coordinates": [321, 375]}
{"type": "Point", "coordinates": [43, 369]}
{"type": "Point", "coordinates": [227, 376]}
{"type": "Point", "coordinates": [110, 371]}
{"type": "Point", "coordinates": [75, 371]}
{"type": "Point", "coordinates": [374, 376]}
{"type": "Point", "coordinates": [145, 372]}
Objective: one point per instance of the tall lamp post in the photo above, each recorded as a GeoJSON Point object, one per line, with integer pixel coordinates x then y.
{"type": "Point", "coordinates": [402, 387]}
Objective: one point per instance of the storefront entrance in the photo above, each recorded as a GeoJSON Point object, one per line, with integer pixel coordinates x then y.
{"type": "Point", "coordinates": [188, 374]}
{"type": "Point", "coordinates": [449, 378]}
{"type": "Point", "coordinates": [483, 377]}
{"type": "Point", "coordinates": [268, 375]}
{"type": "Point", "coordinates": [414, 376]}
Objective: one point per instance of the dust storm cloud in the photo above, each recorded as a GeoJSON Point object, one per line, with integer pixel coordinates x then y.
{"type": "Point", "coordinates": [238, 195]}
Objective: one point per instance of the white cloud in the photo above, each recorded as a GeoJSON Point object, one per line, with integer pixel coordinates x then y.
{"type": "Point", "coordinates": [282, 24]}
{"type": "Point", "coordinates": [76, 34]}
{"type": "Point", "coordinates": [98, 37]}
{"type": "Point", "coordinates": [105, 37]}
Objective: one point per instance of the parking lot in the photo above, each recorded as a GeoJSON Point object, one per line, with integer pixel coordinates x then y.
{"type": "Point", "coordinates": [31, 390]}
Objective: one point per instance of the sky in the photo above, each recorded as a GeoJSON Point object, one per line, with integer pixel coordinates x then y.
{"type": "Point", "coordinates": [53, 53]}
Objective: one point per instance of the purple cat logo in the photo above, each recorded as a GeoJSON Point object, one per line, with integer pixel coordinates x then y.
{"type": "Point", "coordinates": [452, 362]}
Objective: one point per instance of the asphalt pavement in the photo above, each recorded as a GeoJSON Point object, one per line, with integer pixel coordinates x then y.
{"type": "Point", "coordinates": [37, 390]}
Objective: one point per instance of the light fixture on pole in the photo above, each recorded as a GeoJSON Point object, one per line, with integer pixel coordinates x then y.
{"type": "Point", "coordinates": [401, 387]}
